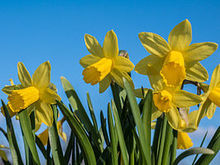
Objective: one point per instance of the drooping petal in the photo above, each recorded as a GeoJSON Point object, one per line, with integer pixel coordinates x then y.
{"type": "Point", "coordinates": [24, 75]}
{"type": "Point", "coordinates": [154, 44]}
{"type": "Point", "coordinates": [110, 45]}
{"type": "Point", "coordinates": [93, 46]}
{"type": "Point", "coordinates": [150, 65]}
{"type": "Point", "coordinates": [183, 141]}
{"type": "Point", "coordinates": [41, 77]}
{"type": "Point", "coordinates": [174, 118]}
{"type": "Point", "coordinates": [181, 36]}
{"type": "Point", "coordinates": [88, 60]}
{"type": "Point", "coordinates": [123, 64]}
{"type": "Point", "coordinates": [49, 96]}
{"type": "Point", "coordinates": [104, 84]}
{"type": "Point", "coordinates": [183, 98]}
{"type": "Point", "coordinates": [197, 73]}
{"type": "Point", "coordinates": [215, 80]}
{"type": "Point", "coordinates": [199, 51]}
{"type": "Point", "coordinates": [44, 113]}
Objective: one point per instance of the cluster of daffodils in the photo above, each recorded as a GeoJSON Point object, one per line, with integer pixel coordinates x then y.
{"type": "Point", "coordinates": [167, 67]}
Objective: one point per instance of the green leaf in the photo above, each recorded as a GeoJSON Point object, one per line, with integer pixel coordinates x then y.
{"type": "Point", "coordinates": [79, 133]}
{"type": "Point", "coordinates": [103, 126]}
{"type": "Point", "coordinates": [69, 148]}
{"type": "Point", "coordinates": [214, 145]}
{"type": "Point", "coordinates": [137, 117]}
{"type": "Point", "coordinates": [54, 140]}
{"type": "Point", "coordinates": [15, 152]}
{"type": "Point", "coordinates": [122, 144]}
{"type": "Point", "coordinates": [113, 137]}
{"type": "Point", "coordinates": [196, 150]}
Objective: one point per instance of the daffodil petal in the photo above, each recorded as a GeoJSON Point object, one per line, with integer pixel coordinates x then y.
{"type": "Point", "coordinates": [215, 80]}
{"type": "Point", "coordinates": [199, 51]}
{"type": "Point", "coordinates": [183, 141]}
{"type": "Point", "coordinates": [44, 137]}
{"type": "Point", "coordinates": [3, 155]}
{"type": "Point", "coordinates": [123, 64]}
{"type": "Point", "coordinates": [156, 114]}
{"type": "Point", "coordinates": [24, 75]}
{"type": "Point", "coordinates": [183, 98]}
{"type": "Point", "coordinates": [211, 110]}
{"type": "Point", "coordinates": [41, 77]}
{"type": "Point", "coordinates": [173, 118]}
{"type": "Point", "coordinates": [150, 65]}
{"type": "Point", "coordinates": [110, 45]}
{"type": "Point", "coordinates": [44, 113]}
{"type": "Point", "coordinates": [93, 46]}
{"type": "Point", "coordinates": [197, 73]}
{"type": "Point", "coordinates": [49, 96]}
{"type": "Point", "coordinates": [154, 44]}
{"type": "Point", "coordinates": [181, 36]}
{"type": "Point", "coordinates": [104, 84]}
{"type": "Point", "coordinates": [89, 60]}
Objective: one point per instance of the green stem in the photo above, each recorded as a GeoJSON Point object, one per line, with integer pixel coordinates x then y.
{"type": "Point", "coordinates": [174, 146]}
{"type": "Point", "coordinates": [115, 92]}
{"type": "Point", "coordinates": [161, 146]}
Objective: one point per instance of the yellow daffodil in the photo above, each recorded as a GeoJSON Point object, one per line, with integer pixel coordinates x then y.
{"type": "Point", "coordinates": [168, 99]}
{"type": "Point", "coordinates": [103, 64]}
{"type": "Point", "coordinates": [35, 93]}
{"type": "Point", "coordinates": [183, 141]}
{"type": "Point", "coordinates": [211, 99]}
{"type": "Point", "coordinates": [176, 60]}
{"type": "Point", "coordinates": [44, 135]}
{"type": "Point", "coordinates": [2, 153]}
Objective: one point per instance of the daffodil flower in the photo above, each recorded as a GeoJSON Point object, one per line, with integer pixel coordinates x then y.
{"type": "Point", "coordinates": [211, 98]}
{"type": "Point", "coordinates": [103, 64]}
{"type": "Point", "coordinates": [2, 153]}
{"type": "Point", "coordinates": [168, 99]}
{"type": "Point", "coordinates": [44, 135]}
{"type": "Point", "coordinates": [183, 141]}
{"type": "Point", "coordinates": [35, 93]}
{"type": "Point", "coordinates": [176, 60]}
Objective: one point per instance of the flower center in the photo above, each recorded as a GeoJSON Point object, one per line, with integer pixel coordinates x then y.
{"type": "Point", "coordinates": [163, 100]}
{"type": "Point", "coordinates": [173, 70]}
{"type": "Point", "coordinates": [22, 98]}
{"type": "Point", "coordinates": [214, 96]}
{"type": "Point", "coordinates": [97, 71]}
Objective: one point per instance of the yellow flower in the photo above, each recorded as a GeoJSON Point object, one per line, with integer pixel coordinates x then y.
{"type": "Point", "coordinates": [176, 60]}
{"type": "Point", "coordinates": [44, 135]}
{"type": "Point", "coordinates": [211, 98]}
{"type": "Point", "coordinates": [35, 93]}
{"type": "Point", "coordinates": [168, 99]}
{"type": "Point", "coordinates": [103, 64]}
{"type": "Point", "coordinates": [2, 153]}
{"type": "Point", "coordinates": [183, 141]}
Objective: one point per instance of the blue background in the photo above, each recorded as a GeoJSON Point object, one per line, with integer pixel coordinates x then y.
{"type": "Point", "coordinates": [36, 31]}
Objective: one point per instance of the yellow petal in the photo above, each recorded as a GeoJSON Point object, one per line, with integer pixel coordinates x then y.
{"type": "Point", "coordinates": [197, 73]}
{"type": "Point", "coordinates": [60, 131]}
{"type": "Point", "coordinates": [149, 65]}
{"type": "Point", "coordinates": [44, 113]}
{"type": "Point", "coordinates": [49, 96]}
{"type": "Point", "coordinates": [215, 80]}
{"type": "Point", "coordinates": [93, 46]}
{"type": "Point", "coordinates": [182, 99]}
{"type": "Point", "coordinates": [163, 100]}
{"type": "Point", "coordinates": [154, 44]}
{"type": "Point", "coordinates": [199, 51]}
{"type": "Point", "coordinates": [211, 110]}
{"type": "Point", "coordinates": [110, 45]}
{"type": "Point", "coordinates": [24, 75]}
{"type": "Point", "coordinates": [183, 141]}
{"type": "Point", "coordinates": [11, 113]}
{"type": "Point", "coordinates": [41, 77]}
{"type": "Point", "coordinates": [181, 36]}
{"type": "Point", "coordinates": [44, 137]}
{"type": "Point", "coordinates": [123, 64]}
{"type": "Point", "coordinates": [174, 118]}
{"type": "Point", "coordinates": [214, 96]}
{"type": "Point", "coordinates": [88, 60]}
{"type": "Point", "coordinates": [104, 84]}
{"type": "Point", "coordinates": [3, 155]}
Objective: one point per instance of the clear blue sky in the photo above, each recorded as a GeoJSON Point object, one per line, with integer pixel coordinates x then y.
{"type": "Point", "coordinates": [36, 31]}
